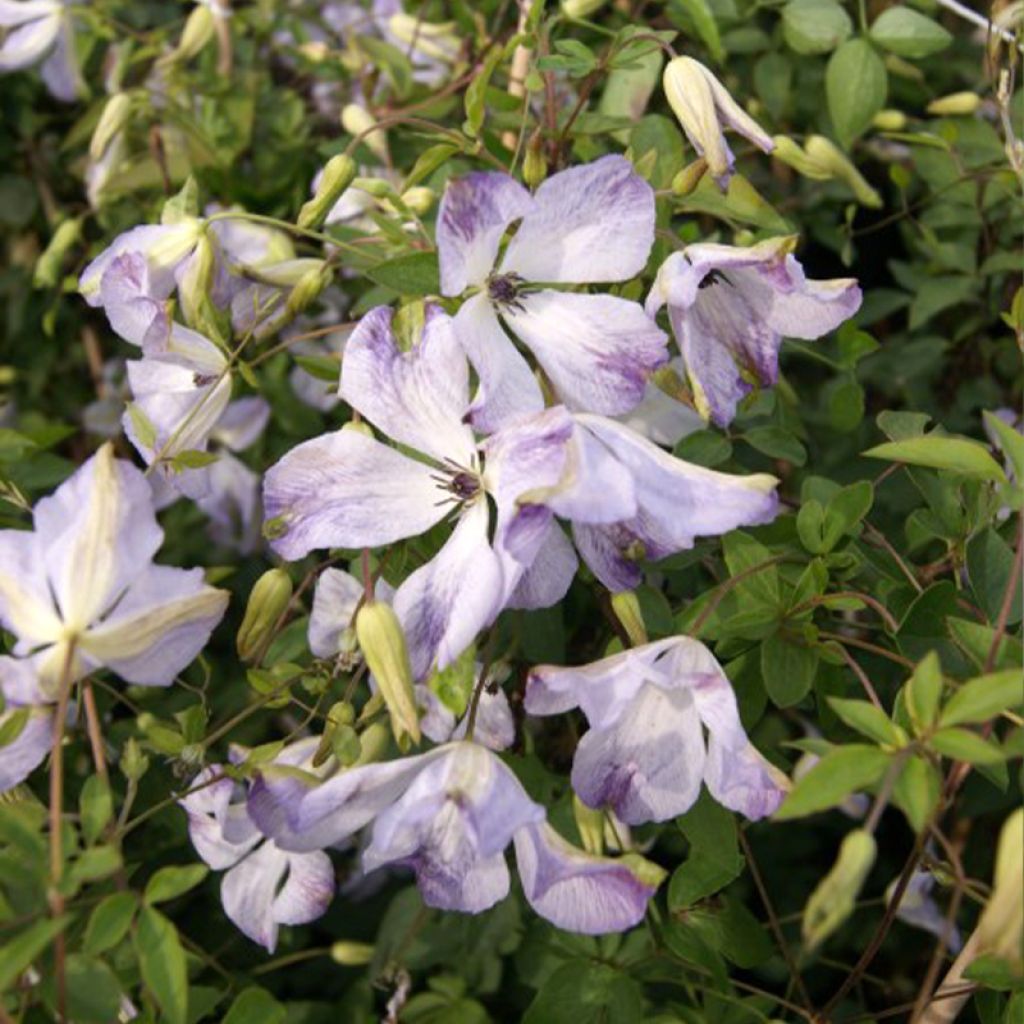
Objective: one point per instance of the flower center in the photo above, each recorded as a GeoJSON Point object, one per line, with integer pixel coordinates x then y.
{"type": "Point", "coordinates": [504, 289]}
{"type": "Point", "coordinates": [460, 485]}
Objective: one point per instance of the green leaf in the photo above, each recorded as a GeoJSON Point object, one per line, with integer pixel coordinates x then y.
{"type": "Point", "coordinates": [983, 698]}
{"type": "Point", "coordinates": [170, 882]}
{"type": "Point", "coordinates": [788, 669]}
{"type": "Point", "coordinates": [839, 773]}
{"type": "Point", "coordinates": [701, 14]}
{"type": "Point", "coordinates": [255, 1006]}
{"type": "Point", "coordinates": [193, 458]}
{"type": "Point", "coordinates": [778, 443]}
{"type": "Point", "coordinates": [948, 453]}
{"type": "Point", "coordinates": [868, 720]}
{"type": "Point", "coordinates": [162, 964]}
{"type": "Point", "coordinates": [907, 33]}
{"type": "Point", "coordinates": [1010, 441]}
{"type": "Point", "coordinates": [815, 26]}
{"type": "Point", "coordinates": [93, 991]}
{"type": "Point", "coordinates": [989, 565]}
{"type": "Point", "coordinates": [704, 447]}
{"type": "Point", "coordinates": [95, 807]}
{"type": "Point", "coordinates": [586, 992]}
{"type": "Point", "coordinates": [16, 956]}
{"type": "Point", "coordinates": [93, 864]}
{"type": "Point", "coordinates": [964, 745]}
{"type": "Point", "coordinates": [412, 274]}
{"type": "Point", "coordinates": [900, 426]}
{"type": "Point", "coordinates": [393, 61]}
{"type": "Point", "coordinates": [714, 859]}
{"type": "Point", "coordinates": [856, 85]}
{"type": "Point", "coordinates": [924, 692]}
{"type": "Point", "coordinates": [744, 554]}
{"type": "Point", "coordinates": [976, 640]}
{"type": "Point", "coordinates": [109, 922]}
{"type": "Point", "coordinates": [916, 792]}
{"type": "Point", "coordinates": [741, 202]}
{"type": "Point", "coordinates": [326, 368]}
{"type": "Point", "coordinates": [476, 93]}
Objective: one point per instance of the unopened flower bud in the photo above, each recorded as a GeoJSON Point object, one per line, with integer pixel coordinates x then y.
{"type": "Point", "coordinates": [833, 900]}
{"type": "Point", "coordinates": [197, 282]}
{"type": "Point", "coordinates": [308, 288]}
{"type": "Point", "coordinates": [419, 199]}
{"type": "Point", "coordinates": [890, 120]}
{"type": "Point", "coordinates": [535, 166]}
{"type": "Point", "coordinates": [112, 120]}
{"type": "Point", "coordinates": [48, 266]}
{"type": "Point", "coordinates": [955, 104]}
{"type": "Point", "coordinates": [590, 824]}
{"type": "Point", "coordinates": [339, 738]}
{"type": "Point", "coordinates": [436, 40]}
{"type": "Point", "coordinates": [336, 176]}
{"type": "Point", "coordinates": [1001, 926]}
{"type": "Point", "coordinates": [134, 764]}
{"type": "Point", "coordinates": [627, 610]}
{"type": "Point", "coordinates": [581, 8]}
{"type": "Point", "coordinates": [376, 187]}
{"type": "Point", "coordinates": [826, 153]}
{"type": "Point", "coordinates": [352, 954]}
{"type": "Point", "coordinates": [267, 601]}
{"type": "Point", "coordinates": [794, 156]}
{"type": "Point", "coordinates": [198, 31]}
{"type": "Point", "coordinates": [387, 657]}
{"type": "Point", "coordinates": [373, 741]}
{"type": "Point", "coordinates": [689, 177]}
{"type": "Point", "coordinates": [361, 124]}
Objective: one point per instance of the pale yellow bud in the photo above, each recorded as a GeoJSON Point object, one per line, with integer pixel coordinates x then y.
{"type": "Point", "coordinates": [48, 266]}
{"type": "Point", "coordinates": [826, 153]}
{"type": "Point", "coordinates": [387, 657]}
{"type": "Point", "coordinates": [535, 165]}
{"type": "Point", "coordinates": [308, 288]}
{"type": "Point", "coordinates": [361, 124]}
{"type": "Point", "coordinates": [419, 199]}
{"type": "Point", "coordinates": [581, 8]}
{"type": "Point", "coordinates": [833, 900]}
{"type": "Point", "coordinates": [689, 177]}
{"type": "Point", "coordinates": [627, 610]}
{"type": "Point", "coordinates": [957, 104]}
{"type": "Point", "coordinates": [791, 154]}
{"type": "Point", "coordinates": [437, 40]}
{"type": "Point", "coordinates": [112, 120]}
{"type": "Point", "coordinates": [373, 742]}
{"type": "Point", "coordinates": [352, 954]}
{"type": "Point", "coordinates": [890, 120]}
{"type": "Point", "coordinates": [267, 601]}
{"type": "Point", "coordinates": [198, 31]}
{"type": "Point", "coordinates": [1001, 927]}
{"type": "Point", "coordinates": [194, 290]}
{"type": "Point", "coordinates": [337, 175]}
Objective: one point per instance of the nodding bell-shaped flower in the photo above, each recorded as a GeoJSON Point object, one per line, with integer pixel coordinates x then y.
{"type": "Point", "coordinates": [645, 755]}
{"type": "Point", "coordinates": [80, 592]}
{"type": "Point", "coordinates": [705, 109]}
{"type": "Point", "coordinates": [42, 32]}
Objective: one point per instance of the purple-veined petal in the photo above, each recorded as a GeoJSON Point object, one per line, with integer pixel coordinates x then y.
{"type": "Point", "coordinates": [474, 213]}
{"type": "Point", "coordinates": [337, 596]}
{"type": "Point", "coordinates": [648, 766]}
{"type": "Point", "coordinates": [607, 550]}
{"type": "Point", "coordinates": [163, 621]}
{"type": "Point", "coordinates": [495, 727]}
{"type": "Point", "coordinates": [221, 831]}
{"type": "Point", "coordinates": [124, 293]}
{"type": "Point", "coordinates": [545, 581]}
{"type": "Point", "coordinates": [60, 70]}
{"type": "Point", "coordinates": [588, 224]}
{"type": "Point", "coordinates": [19, 680]}
{"type": "Point", "coordinates": [20, 756]}
{"type": "Point", "coordinates": [577, 891]}
{"type": "Point", "coordinates": [308, 889]}
{"type": "Point", "coordinates": [27, 44]}
{"type": "Point", "coordinates": [248, 893]}
{"type": "Point", "coordinates": [419, 397]}
{"type": "Point", "coordinates": [662, 419]}
{"type": "Point", "coordinates": [232, 503]}
{"type": "Point", "coordinates": [597, 350]}
{"type": "Point", "coordinates": [347, 490]}
{"type": "Point", "coordinates": [445, 603]}
{"type": "Point", "coordinates": [97, 531]}
{"type": "Point", "coordinates": [507, 390]}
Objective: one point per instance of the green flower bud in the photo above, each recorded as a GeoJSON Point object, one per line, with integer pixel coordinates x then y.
{"type": "Point", "coordinates": [387, 657]}
{"type": "Point", "coordinates": [826, 153]}
{"type": "Point", "coordinates": [689, 177]}
{"type": "Point", "coordinates": [267, 601]}
{"type": "Point", "coordinates": [535, 166]}
{"type": "Point", "coordinates": [1001, 926]}
{"type": "Point", "coordinates": [358, 121]}
{"type": "Point", "coordinates": [196, 284]}
{"type": "Point", "coordinates": [833, 900]}
{"type": "Point", "coordinates": [792, 155]}
{"type": "Point", "coordinates": [198, 31]}
{"type": "Point", "coordinates": [376, 187]}
{"type": "Point", "coordinates": [112, 120]}
{"type": "Point", "coordinates": [134, 763]}
{"type": "Point", "coordinates": [890, 120]}
{"type": "Point", "coordinates": [957, 104]}
{"type": "Point", "coordinates": [352, 954]}
{"type": "Point", "coordinates": [581, 8]}
{"type": "Point", "coordinates": [308, 288]}
{"type": "Point", "coordinates": [373, 741]}
{"type": "Point", "coordinates": [590, 824]}
{"type": "Point", "coordinates": [338, 174]}
{"type": "Point", "coordinates": [419, 199]}
{"type": "Point", "coordinates": [627, 610]}
{"type": "Point", "coordinates": [48, 266]}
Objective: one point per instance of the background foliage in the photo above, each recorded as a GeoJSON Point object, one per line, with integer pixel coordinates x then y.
{"type": "Point", "coordinates": [898, 555]}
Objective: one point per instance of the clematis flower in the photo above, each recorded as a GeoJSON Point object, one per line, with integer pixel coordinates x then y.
{"type": "Point", "coordinates": [264, 886]}
{"type": "Point", "coordinates": [42, 32]}
{"type": "Point", "coordinates": [588, 224]}
{"type": "Point", "coordinates": [449, 815]}
{"type": "Point", "coordinates": [919, 909]}
{"type": "Point", "coordinates": [80, 592]}
{"type": "Point", "coordinates": [336, 599]}
{"type": "Point", "coordinates": [705, 108]}
{"type": "Point", "coordinates": [346, 489]}
{"type": "Point", "coordinates": [645, 755]}
{"type": "Point", "coordinates": [730, 309]}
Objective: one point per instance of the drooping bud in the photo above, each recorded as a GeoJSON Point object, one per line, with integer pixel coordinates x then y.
{"type": "Point", "coordinates": [794, 156]}
{"type": "Point", "coordinates": [339, 738]}
{"type": "Point", "coordinates": [267, 601]}
{"type": "Point", "coordinates": [1001, 926]}
{"type": "Point", "coordinates": [48, 266]}
{"type": "Point", "coordinates": [387, 657]}
{"type": "Point", "coordinates": [581, 8]}
{"type": "Point", "coordinates": [198, 31]}
{"type": "Point", "coordinates": [112, 120]}
{"type": "Point", "coordinates": [419, 199]}
{"type": "Point", "coordinates": [956, 104]}
{"type": "Point", "coordinates": [627, 610]}
{"type": "Point", "coordinates": [890, 120]}
{"type": "Point", "coordinates": [308, 288]}
{"type": "Point", "coordinates": [689, 177]}
{"type": "Point", "coordinates": [336, 176]}
{"type": "Point", "coordinates": [360, 123]}
{"type": "Point", "coordinates": [590, 824]}
{"type": "Point", "coordinates": [833, 900]}
{"type": "Point", "coordinates": [826, 153]}
{"type": "Point", "coordinates": [352, 954]}
{"type": "Point", "coordinates": [535, 165]}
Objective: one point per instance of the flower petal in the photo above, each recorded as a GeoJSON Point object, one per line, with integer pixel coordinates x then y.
{"type": "Point", "coordinates": [241, 423]}
{"type": "Point", "coordinates": [507, 389]}
{"type": "Point", "coordinates": [419, 397]}
{"type": "Point", "coordinates": [60, 71]}
{"type": "Point", "coordinates": [648, 766]}
{"type": "Point", "coordinates": [337, 596]}
{"type": "Point", "coordinates": [588, 224]}
{"type": "Point", "coordinates": [445, 603]}
{"type": "Point", "coordinates": [575, 890]}
{"type": "Point", "coordinates": [308, 889]}
{"type": "Point", "coordinates": [18, 12]}
{"type": "Point", "coordinates": [248, 890]}
{"type": "Point", "coordinates": [545, 581]}
{"type": "Point", "coordinates": [597, 350]}
{"type": "Point", "coordinates": [474, 213]}
{"type": "Point", "coordinates": [27, 44]}
{"type": "Point", "coordinates": [26, 607]}
{"type": "Point", "coordinates": [346, 490]}
{"type": "Point", "coordinates": [20, 756]}
{"type": "Point", "coordinates": [221, 832]}
{"type": "Point", "coordinates": [124, 293]}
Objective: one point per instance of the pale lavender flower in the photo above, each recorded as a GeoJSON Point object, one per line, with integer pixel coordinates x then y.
{"type": "Point", "coordinates": [731, 307]}
{"type": "Point", "coordinates": [588, 224]}
{"type": "Point", "coordinates": [645, 755]}
{"type": "Point", "coordinates": [264, 886]}
{"type": "Point", "coordinates": [42, 32]}
{"type": "Point", "coordinates": [919, 909]}
{"type": "Point", "coordinates": [449, 815]}
{"type": "Point", "coordinates": [661, 418]}
{"type": "Point", "coordinates": [80, 592]}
